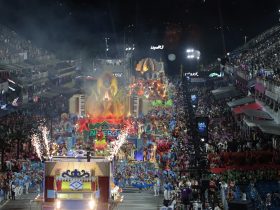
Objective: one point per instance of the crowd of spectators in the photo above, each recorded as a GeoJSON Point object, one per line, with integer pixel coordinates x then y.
{"type": "Point", "coordinates": [180, 155]}
{"type": "Point", "coordinates": [26, 178]}
{"type": "Point", "coordinates": [260, 56]}
{"type": "Point", "coordinates": [14, 46]}
{"type": "Point", "coordinates": [22, 170]}
{"type": "Point", "coordinates": [242, 160]}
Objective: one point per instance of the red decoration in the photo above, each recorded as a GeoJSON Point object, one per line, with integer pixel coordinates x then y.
{"type": "Point", "coordinates": [99, 135]}
{"type": "Point", "coordinates": [163, 146]}
{"type": "Point", "coordinates": [84, 122]}
{"type": "Point", "coordinates": [83, 125]}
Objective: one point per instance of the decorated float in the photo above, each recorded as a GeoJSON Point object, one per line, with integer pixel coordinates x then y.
{"type": "Point", "coordinates": [78, 175]}
{"type": "Point", "coordinates": [77, 185]}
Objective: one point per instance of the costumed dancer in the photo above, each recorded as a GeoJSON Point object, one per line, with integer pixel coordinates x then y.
{"type": "Point", "coordinates": [156, 186]}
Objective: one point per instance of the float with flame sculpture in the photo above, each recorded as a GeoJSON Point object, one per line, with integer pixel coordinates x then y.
{"type": "Point", "coordinates": [106, 101]}
{"type": "Point", "coordinates": [105, 104]}
{"type": "Point", "coordinates": [146, 64]}
{"type": "Point", "coordinates": [152, 83]}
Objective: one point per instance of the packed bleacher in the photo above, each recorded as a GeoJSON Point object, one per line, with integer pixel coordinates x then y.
{"type": "Point", "coordinates": [15, 47]}
{"type": "Point", "coordinates": [243, 165]}
{"type": "Point", "coordinates": [260, 56]}
{"type": "Point", "coordinates": [29, 72]}
{"type": "Point", "coordinates": [20, 164]}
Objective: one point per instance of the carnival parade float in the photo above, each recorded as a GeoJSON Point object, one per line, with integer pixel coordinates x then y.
{"type": "Point", "coordinates": [114, 144]}
{"type": "Point", "coordinates": [79, 171]}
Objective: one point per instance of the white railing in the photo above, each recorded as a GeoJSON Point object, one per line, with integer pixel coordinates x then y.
{"type": "Point", "coordinates": [271, 86]}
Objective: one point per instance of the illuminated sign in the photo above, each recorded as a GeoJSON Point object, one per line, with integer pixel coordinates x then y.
{"type": "Point", "coordinates": [159, 47]}
{"type": "Point", "coordinates": [193, 97]}
{"type": "Point", "coordinates": [203, 74]}
{"type": "Point", "coordinates": [201, 126]}
{"type": "Point", "coordinates": [107, 132]}
{"type": "Point", "coordinates": [106, 128]}
{"type": "Point", "coordinates": [191, 74]}
{"type": "Point", "coordinates": [214, 74]}
{"type": "Point", "coordinates": [118, 74]}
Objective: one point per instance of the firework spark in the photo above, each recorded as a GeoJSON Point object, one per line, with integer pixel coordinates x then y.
{"type": "Point", "coordinates": [118, 144]}
{"type": "Point", "coordinates": [36, 144]}
{"type": "Point", "coordinates": [45, 133]}
{"type": "Point", "coordinates": [41, 142]}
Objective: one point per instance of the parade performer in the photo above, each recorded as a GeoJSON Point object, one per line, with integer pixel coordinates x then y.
{"type": "Point", "coordinates": [156, 185]}
{"type": "Point", "coordinates": [101, 143]}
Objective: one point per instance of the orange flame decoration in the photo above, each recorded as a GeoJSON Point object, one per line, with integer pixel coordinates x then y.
{"type": "Point", "coordinates": [145, 65]}
{"type": "Point", "coordinates": [106, 100]}
{"type": "Point", "coordinates": [104, 104]}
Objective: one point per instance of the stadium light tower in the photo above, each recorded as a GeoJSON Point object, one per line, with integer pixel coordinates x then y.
{"type": "Point", "coordinates": [129, 48]}
{"type": "Point", "coordinates": [193, 54]}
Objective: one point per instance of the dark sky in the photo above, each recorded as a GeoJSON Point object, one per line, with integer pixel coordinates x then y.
{"type": "Point", "coordinates": [74, 26]}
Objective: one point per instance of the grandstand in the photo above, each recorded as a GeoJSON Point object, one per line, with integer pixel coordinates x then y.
{"type": "Point", "coordinates": [260, 53]}
{"type": "Point", "coordinates": [15, 49]}
{"type": "Point", "coordinates": [34, 72]}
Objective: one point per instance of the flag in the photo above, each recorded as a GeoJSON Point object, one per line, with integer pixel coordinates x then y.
{"type": "Point", "coordinates": [76, 185]}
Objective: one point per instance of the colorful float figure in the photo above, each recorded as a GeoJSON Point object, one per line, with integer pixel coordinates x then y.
{"type": "Point", "coordinates": [100, 144]}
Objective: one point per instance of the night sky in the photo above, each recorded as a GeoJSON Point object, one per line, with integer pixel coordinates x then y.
{"type": "Point", "coordinates": [79, 26]}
